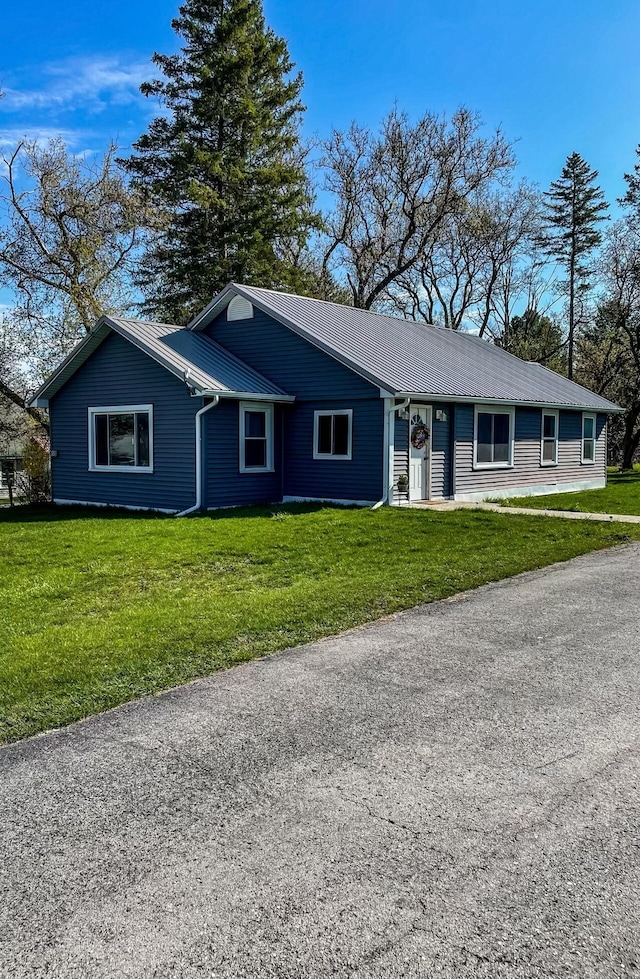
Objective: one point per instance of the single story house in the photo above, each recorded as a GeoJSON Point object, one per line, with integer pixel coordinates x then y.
{"type": "Point", "coordinates": [267, 397]}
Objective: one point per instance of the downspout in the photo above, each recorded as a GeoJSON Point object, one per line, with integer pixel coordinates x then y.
{"type": "Point", "coordinates": [198, 418]}
{"type": "Point", "coordinates": [389, 422]}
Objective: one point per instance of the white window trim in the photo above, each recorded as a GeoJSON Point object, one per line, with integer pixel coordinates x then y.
{"type": "Point", "coordinates": [329, 455]}
{"type": "Point", "coordinates": [589, 462]}
{"type": "Point", "coordinates": [556, 414]}
{"type": "Point", "coordinates": [494, 410]}
{"type": "Point", "coordinates": [268, 411]}
{"type": "Point", "coordinates": [118, 410]}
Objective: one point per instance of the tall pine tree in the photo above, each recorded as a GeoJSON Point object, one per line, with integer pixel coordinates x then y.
{"type": "Point", "coordinates": [573, 207]}
{"type": "Point", "coordinates": [632, 197]}
{"type": "Point", "coordinates": [224, 161]}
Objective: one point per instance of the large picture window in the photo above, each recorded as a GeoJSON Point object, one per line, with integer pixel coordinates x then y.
{"type": "Point", "coordinates": [332, 434]}
{"type": "Point", "coordinates": [589, 438]}
{"type": "Point", "coordinates": [493, 438]}
{"type": "Point", "coordinates": [121, 438]}
{"type": "Point", "coordinates": [256, 437]}
{"type": "Point", "coordinates": [549, 439]}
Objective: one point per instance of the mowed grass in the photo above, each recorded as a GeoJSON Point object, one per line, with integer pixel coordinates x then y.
{"type": "Point", "coordinates": [621, 495]}
{"type": "Point", "coordinates": [99, 607]}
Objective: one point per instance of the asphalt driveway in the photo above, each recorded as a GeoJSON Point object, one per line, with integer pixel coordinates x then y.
{"type": "Point", "coordinates": [451, 792]}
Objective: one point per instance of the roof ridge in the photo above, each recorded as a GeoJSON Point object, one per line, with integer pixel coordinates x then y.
{"type": "Point", "coordinates": [131, 319]}
{"type": "Point", "coordinates": [341, 306]}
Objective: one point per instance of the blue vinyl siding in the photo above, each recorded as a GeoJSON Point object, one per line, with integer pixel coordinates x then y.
{"type": "Point", "coordinates": [358, 478]}
{"type": "Point", "coordinates": [441, 462]}
{"type": "Point", "coordinates": [292, 363]}
{"type": "Point", "coordinates": [225, 485]}
{"type": "Point", "coordinates": [119, 374]}
{"type": "Point", "coordinates": [318, 383]}
{"type": "Point", "coordinates": [527, 470]}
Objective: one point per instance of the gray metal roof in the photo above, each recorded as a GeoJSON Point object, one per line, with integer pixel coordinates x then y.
{"type": "Point", "coordinates": [407, 357]}
{"type": "Point", "coordinates": [203, 364]}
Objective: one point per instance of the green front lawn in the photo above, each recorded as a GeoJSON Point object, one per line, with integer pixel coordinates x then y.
{"type": "Point", "coordinates": [621, 495]}
{"type": "Point", "coordinates": [100, 607]}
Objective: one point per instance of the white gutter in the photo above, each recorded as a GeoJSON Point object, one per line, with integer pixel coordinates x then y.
{"type": "Point", "coordinates": [419, 398]}
{"type": "Point", "coordinates": [388, 449]}
{"type": "Point", "coordinates": [247, 396]}
{"type": "Point", "coordinates": [197, 505]}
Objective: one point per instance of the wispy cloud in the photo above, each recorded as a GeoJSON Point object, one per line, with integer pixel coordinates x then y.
{"type": "Point", "coordinates": [9, 138]}
{"type": "Point", "coordinates": [91, 83]}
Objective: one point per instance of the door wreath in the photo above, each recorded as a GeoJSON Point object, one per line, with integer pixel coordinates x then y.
{"type": "Point", "coordinates": [419, 435]}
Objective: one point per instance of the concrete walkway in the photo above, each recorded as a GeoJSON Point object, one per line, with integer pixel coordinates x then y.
{"type": "Point", "coordinates": [451, 793]}
{"type": "Point", "coordinates": [532, 511]}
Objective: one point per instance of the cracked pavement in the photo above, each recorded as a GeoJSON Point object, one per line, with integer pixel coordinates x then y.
{"type": "Point", "coordinates": [450, 792]}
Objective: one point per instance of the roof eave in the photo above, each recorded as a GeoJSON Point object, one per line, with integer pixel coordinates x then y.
{"type": "Point", "coordinates": [609, 409]}
{"type": "Point", "coordinates": [211, 310]}
{"type": "Point", "coordinates": [245, 395]}
{"type": "Point", "coordinates": [41, 399]}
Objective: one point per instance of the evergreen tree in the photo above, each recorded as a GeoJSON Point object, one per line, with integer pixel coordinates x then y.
{"type": "Point", "coordinates": [632, 197]}
{"type": "Point", "coordinates": [573, 207]}
{"type": "Point", "coordinates": [534, 336]}
{"type": "Point", "coordinates": [224, 162]}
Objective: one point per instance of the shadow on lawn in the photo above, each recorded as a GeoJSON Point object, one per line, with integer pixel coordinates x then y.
{"type": "Point", "coordinates": [624, 476]}
{"type": "Point", "coordinates": [50, 513]}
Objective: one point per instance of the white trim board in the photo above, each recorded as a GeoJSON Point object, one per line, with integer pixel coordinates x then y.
{"type": "Point", "coordinates": [432, 398]}
{"type": "Point", "coordinates": [541, 489]}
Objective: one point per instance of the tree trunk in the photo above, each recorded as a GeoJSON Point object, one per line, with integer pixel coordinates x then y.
{"type": "Point", "coordinates": [18, 400]}
{"type": "Point", "coordinates": [631, 437]}
{"type": "Point", "coordinates": [572, 284]}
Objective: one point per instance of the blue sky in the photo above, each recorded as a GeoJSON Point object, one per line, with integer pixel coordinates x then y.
{"type": "Point", "coordinates": [557, 76]}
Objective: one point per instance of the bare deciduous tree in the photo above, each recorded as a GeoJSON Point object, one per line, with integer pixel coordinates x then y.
{"type": "Point", "coordinates": [393, 192]}
{"type": "Point", "coordinates": [476, 264]}
{"type": "Point", "coordinates": [69, 231]}
{"type": "Point", "coordinates": [609, 349]}
{"type": "Point", "coordinates": [13, 387]}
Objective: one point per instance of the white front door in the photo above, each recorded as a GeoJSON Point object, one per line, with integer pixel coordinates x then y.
{"type": "Point", "coordinates": [419, 457]}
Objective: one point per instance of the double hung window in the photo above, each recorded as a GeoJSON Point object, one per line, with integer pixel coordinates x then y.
{"type": "Point", "coordinates": [493, 438]}
{"type": "Point", "coordinates": [256, 437]}
{"type": "Point", "coordinates": [549, 439]}
{"type": "Point", "coordinates": [589, 438]}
